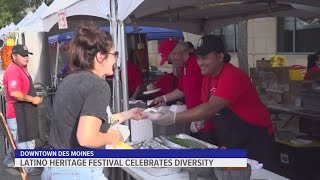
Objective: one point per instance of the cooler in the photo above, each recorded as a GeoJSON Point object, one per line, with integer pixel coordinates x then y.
{"type": "Point", "coordinates": [297, 72]}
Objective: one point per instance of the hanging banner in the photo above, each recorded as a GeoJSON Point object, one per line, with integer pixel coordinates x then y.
{"type": "Point", "coordinates": [62, 21]}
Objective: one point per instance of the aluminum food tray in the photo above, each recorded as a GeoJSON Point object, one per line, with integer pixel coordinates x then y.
{"type": "Point", "coordinates": [161, 171]}
{"type": "Point", "coordinates": [148, 144]}
{"type": "Point", "coordinates": [155, 171]}
{"type": "Point", "coordinates": [165, 142]}
{"type": "Point", "coordinates": [191, 140]}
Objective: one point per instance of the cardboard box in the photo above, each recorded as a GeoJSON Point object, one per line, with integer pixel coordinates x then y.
{"type": "Point", "coordinates": [254, 75]}
{"type": "Point", "coordinates": [274, 79]}
{"type": "Point", "coordinates": [299, 162]}
{"type": "Point", "coordinates": [292, 97]}
{"type": "Point", "coordinates": [263, 63]}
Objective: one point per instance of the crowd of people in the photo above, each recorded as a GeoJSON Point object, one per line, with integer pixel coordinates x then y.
{"type": "Point", "coordinates": [223, 107]}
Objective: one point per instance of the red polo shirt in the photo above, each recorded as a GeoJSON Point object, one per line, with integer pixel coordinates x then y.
{"type": "Point", "coordinates": [190, 82]}
{"type": "Point", "coordinates": [204, 98]}
{"type": "Point", "coordinates": [235, 86]}
{"type": "Point", "coordinates": [315, 69]}
{"type": "Point", "coordinates": [167, 83]}
{"type": "Point", "coordinates": [134, 77]}
{"type": "Point", "coordinates": [14, 79]}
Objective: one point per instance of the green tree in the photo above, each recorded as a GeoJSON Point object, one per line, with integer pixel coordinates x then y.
{"type": "Point", "coordinates": [12, 11]}
{"type": "Point", "coordinates": [15, 10]}
{"type": "Point", "coordinates": [36, 3]}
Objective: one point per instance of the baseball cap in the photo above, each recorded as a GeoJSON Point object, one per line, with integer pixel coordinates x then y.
{"type": "Point", "coordinates": [208, 44]}
{"type": "Point", "coordinates": [165, 48]}
{"type": "Point", "coordinates": [20, 49]}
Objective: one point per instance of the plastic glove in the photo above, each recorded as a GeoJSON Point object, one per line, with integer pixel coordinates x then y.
{"type": "Point", "coordinates": [200, 124]}
{"type": "Point", "coordinates": [193, 127]}
{"type": "Point", "coordinates": [255, 165]}
{"type": "Point", "coordinates": [161, 117]}
{"type": "Point", "coordinates": [196, 126]}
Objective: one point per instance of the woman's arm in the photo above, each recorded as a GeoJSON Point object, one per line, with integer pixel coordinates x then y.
{"type": "Point", "coordinates": [89, 135]}
{"type": "Point", "coordinates": [134, 113]}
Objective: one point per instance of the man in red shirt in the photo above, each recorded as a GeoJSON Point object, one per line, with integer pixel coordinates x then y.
{"type": "Point", "coordinates": [21, 103]}
{"type": "Point", "coordinates": [134, 79]}
{"type": "Point", "coordinates": [167, 82]}
{"type": "Point", "coordinates": [241, 120]}
{"type": "Point", "coordinates": [204, 130]}
{"type": "Point", "coordinates": [190, 80]}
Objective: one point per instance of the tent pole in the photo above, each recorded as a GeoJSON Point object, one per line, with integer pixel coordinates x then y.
{"type": "Point", "coordinates": [116, 79]}
{"type": "Point", "coordinates": [124, 73]}
{"type": "Point", "coordinates": [56, 66]}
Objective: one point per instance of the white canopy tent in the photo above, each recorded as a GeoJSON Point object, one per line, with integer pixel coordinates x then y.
{"type": "Point", "coordinates": [9, 28]}
{"type": "Point", "coordinates": [203, 16]}
{"type": "Point", "coordinates": [34, 23]}
{"type": "Point", "coordinates": [2, 30]}
{"type": "Point", "coordinates": [195, 16]}
{"type": "Point", "coordinates": [29, 31]}
{"type": "Point", "coordinates": [25, 20]}
{"type": "Point", "coordinates": [115, 12]}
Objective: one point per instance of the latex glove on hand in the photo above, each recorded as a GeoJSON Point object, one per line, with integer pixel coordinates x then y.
{"type": "Point", "coordinates": [196, 126]}
{"type": "Point", "coordinates": [161, 117]}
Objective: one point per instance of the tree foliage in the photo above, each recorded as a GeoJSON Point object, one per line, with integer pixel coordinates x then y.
{"type": "Point", "coordinates": [15, 10]}
{"type": "Point", "coordinates": [11, 11]}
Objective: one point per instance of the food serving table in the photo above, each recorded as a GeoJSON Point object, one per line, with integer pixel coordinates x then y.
{"type": "Point", "coordinates": [185, 142]}
{"type": "Point", "coordinates": [140, 174]}
{"type": "Point", "coordinates": [295, 111]}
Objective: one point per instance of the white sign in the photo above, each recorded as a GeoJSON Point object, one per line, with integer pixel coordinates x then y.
{"type": "Point", "coordinates": [62, 20]}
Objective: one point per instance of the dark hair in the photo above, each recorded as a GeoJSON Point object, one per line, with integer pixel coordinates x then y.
{"type": "Point", "coordinates": [87, 41]}
{"type": "Point", "coordinates": [312, 58]}
{"type": "Point", "coordinates": [226, 58]}
{"type": "Point", "coordinates": [190, 44]}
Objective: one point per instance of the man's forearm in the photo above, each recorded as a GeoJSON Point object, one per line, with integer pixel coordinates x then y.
{"type": "Point", "coordinates": [20, 96]}
{"type": "Point", "coordinates": [203, 111]}
{"type": "Point", "coordinates": [173, 95]}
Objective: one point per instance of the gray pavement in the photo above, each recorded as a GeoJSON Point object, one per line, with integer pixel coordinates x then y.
{"type": "Point", "coordinates": [9, 173]}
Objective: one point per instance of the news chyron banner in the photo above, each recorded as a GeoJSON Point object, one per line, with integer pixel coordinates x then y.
{"type": "Point", "coordinates": [131, 158]}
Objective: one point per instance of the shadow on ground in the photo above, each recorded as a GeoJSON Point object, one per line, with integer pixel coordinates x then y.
{"type": "Point", "coordinates": [9, 173]}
